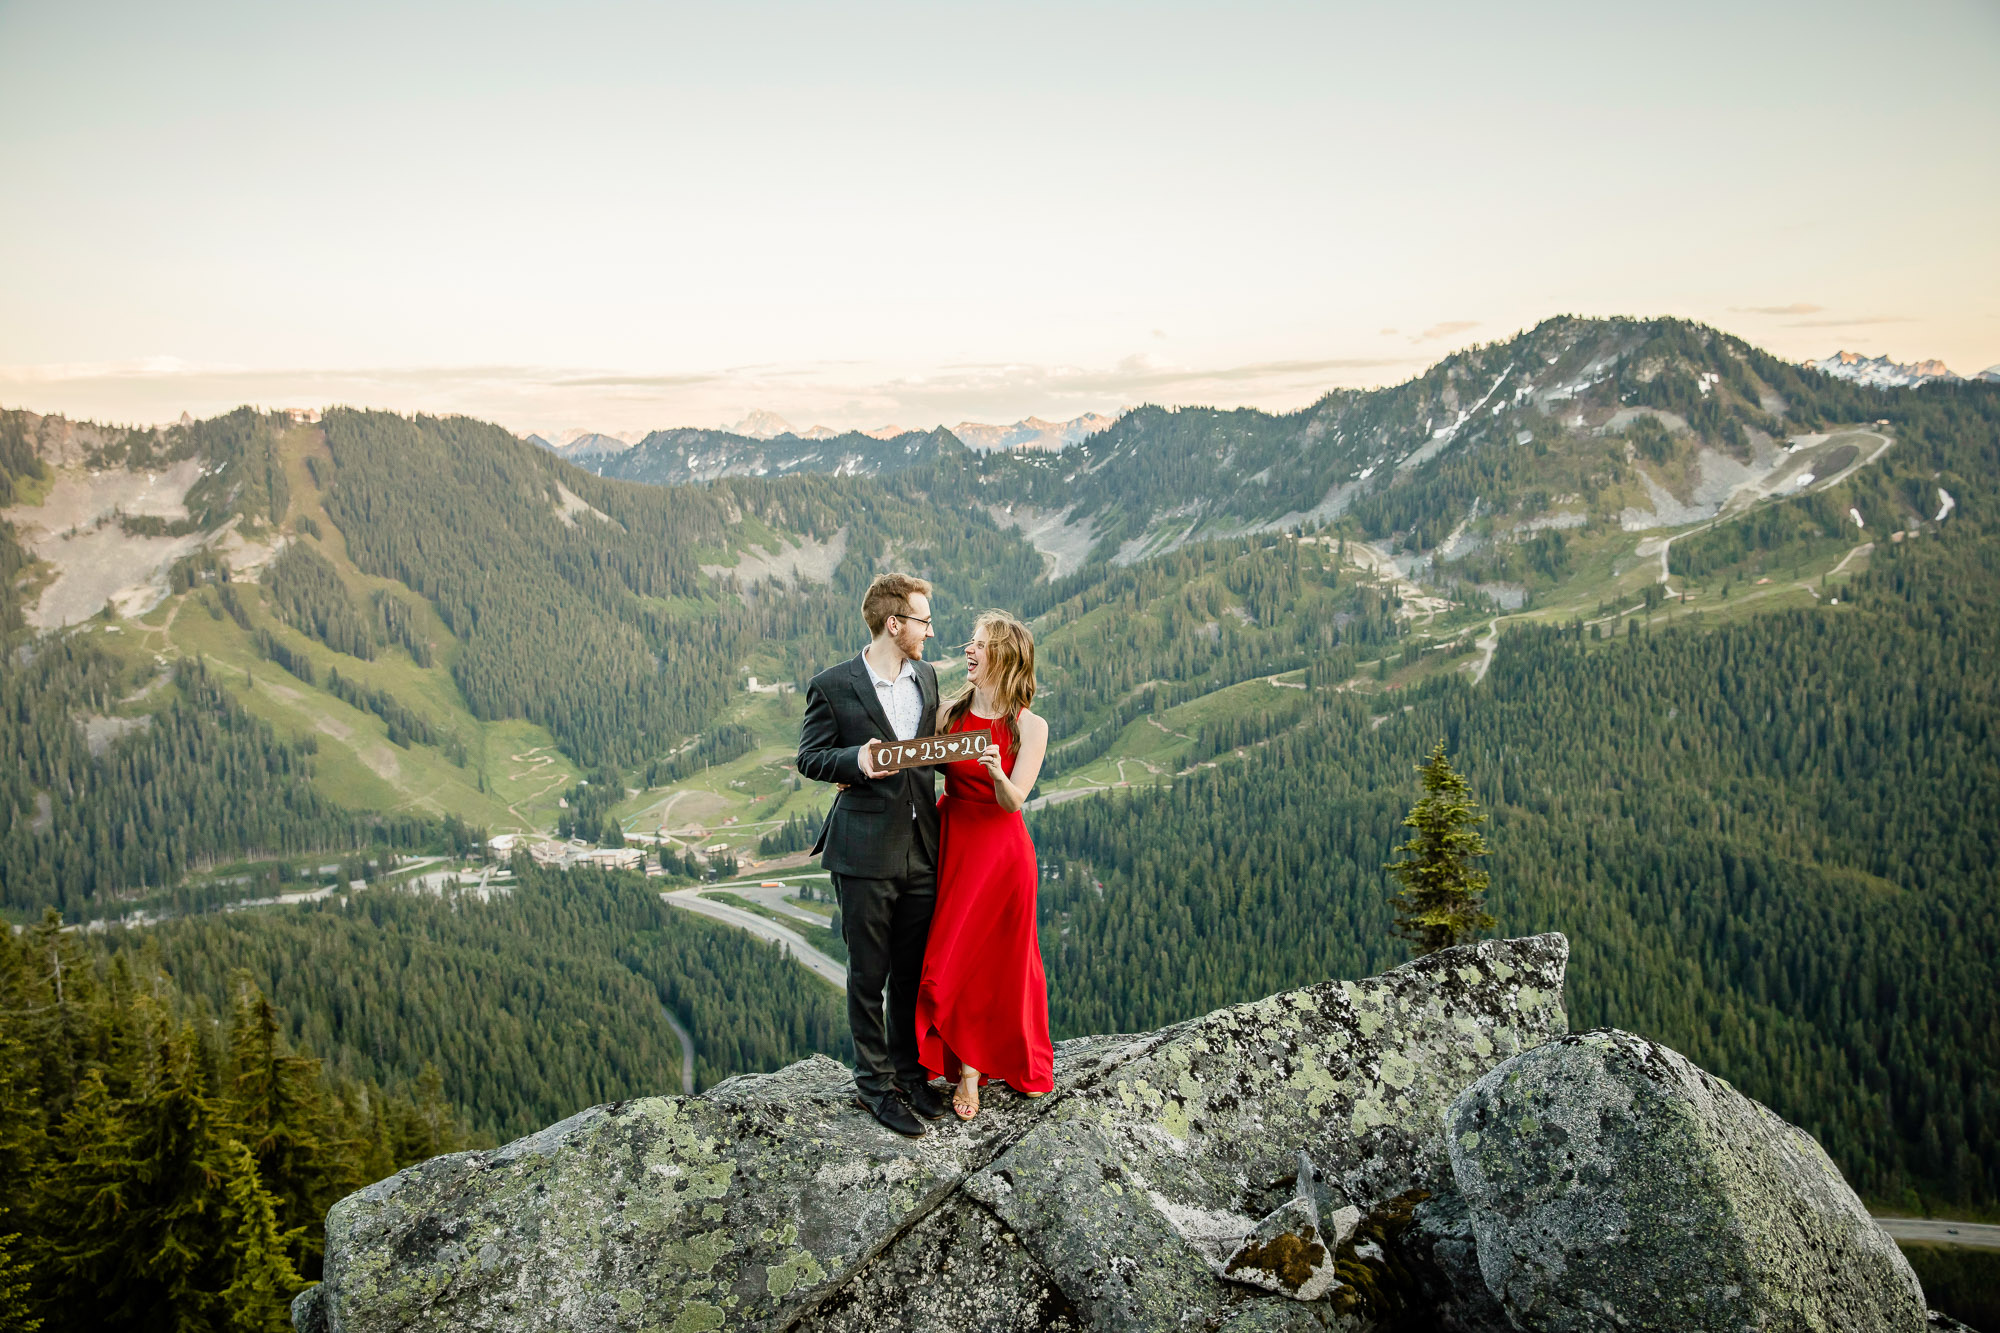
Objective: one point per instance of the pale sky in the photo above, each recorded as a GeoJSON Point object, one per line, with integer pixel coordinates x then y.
{"type": "Point", "coordinates": [625, 217]}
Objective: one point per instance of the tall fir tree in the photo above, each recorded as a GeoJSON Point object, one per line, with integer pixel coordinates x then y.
{"type": "Point", "coordinates": [17, 1311]}
{"type": "Point", "coordinates": [257, 1253]}
{"type": "Point", "coordinates": [281, 1111]}
{"type": "Point", "coordinates": [152, 1213]}
{"type": "Point", "coordinates": [1442, 896]}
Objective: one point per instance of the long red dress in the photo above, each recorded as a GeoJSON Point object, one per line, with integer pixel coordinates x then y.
{"type": "Point", "coordinates": [983, 998]}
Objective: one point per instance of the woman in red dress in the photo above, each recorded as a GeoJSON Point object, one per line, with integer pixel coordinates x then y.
{"type": "Point", "coordinates": [983, 1006]}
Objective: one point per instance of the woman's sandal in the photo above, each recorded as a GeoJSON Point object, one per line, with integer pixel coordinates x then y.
{"type": "Point", "coordinates": [958, 1100]}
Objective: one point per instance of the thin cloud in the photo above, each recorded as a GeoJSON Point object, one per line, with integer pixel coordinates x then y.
{"type": "Point", "coordinates": [1449, 328]}
{"type": "Point", "coordinates": [1856, 322]}
{"type": "Point", "coordinates": [1133, 376]}
{"type": "Point", "coordinates": [1795, 308]}
{"type": "Point", "coordinates": [598, 380]}
{"type": "Point", "coordinates": [841, 394]}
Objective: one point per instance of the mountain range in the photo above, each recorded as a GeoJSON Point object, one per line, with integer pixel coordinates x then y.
{"type": "Point", "coordinates": [1028, 433]}
{"type": "Point", "coordinates": [1882, 373]}
{"type": "Point", "coordinates": [576, 445]}
{"type": "Point", "coordinates": [765, 444]}
{"type": "Point", "coordinates": [1709, 631]}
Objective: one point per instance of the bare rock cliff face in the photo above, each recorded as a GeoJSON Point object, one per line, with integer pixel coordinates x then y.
{"type": "Point", "coordinates": [1277, 1165]}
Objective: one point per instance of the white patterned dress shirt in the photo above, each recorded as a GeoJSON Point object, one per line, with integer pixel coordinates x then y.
{"type": "Point", "coordinates": [901, 699]}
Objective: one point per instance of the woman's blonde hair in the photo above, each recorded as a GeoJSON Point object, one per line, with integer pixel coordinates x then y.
{"type": "Point", "coordinates": [1010, 672]}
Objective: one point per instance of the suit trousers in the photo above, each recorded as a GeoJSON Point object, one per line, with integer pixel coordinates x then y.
{"type": "Point", "coordinates": [886, 923]}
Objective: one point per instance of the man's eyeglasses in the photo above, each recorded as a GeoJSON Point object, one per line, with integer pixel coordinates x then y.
{"type": "Point", "coordinates": [921, 620]}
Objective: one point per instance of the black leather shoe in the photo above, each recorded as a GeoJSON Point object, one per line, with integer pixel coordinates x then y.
{"type": "Point", "coordinates": [923, 1099]}
{"type": "Point", "coordinates": [889, 1109]}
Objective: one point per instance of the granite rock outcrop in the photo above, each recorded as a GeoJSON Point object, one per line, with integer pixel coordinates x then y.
{"type": "Point", "coordinates": [1611, 1183]}
{"type": "Point", "coordinates": [1278, 1165]}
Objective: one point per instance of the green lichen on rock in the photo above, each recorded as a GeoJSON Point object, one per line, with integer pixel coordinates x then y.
{"type": "Point", "coordinates": [1610, 1183]}
{"type": "Point", "coordinates": [768, 1201]}
{"type": "Point", "coordinates": [1119, 1201]}
{"type": "Point", "coordinates": [1354, 1074]}
{"type": "Point", "coordinates": [739, 1208]}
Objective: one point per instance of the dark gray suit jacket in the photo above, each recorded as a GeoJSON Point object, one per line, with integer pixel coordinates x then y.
{"type": "Point", "coordinates": [874, 826]}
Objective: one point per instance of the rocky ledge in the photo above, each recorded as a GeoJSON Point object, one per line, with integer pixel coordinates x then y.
{"type": "Point", "coordinates": [1424, 1149]}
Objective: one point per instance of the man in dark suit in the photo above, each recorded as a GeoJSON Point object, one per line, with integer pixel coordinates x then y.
{"type": "Point", "coordinates": [880, 843]}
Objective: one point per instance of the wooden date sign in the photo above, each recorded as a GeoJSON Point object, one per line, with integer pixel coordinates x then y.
{"type": "Point", "coordinates": [889, 756]}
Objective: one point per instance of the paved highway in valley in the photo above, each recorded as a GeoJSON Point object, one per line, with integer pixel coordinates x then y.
{"type": "Point", "coordinates": [762, 927]}
{"type": "Point", "coordinates": [1938, 1231]}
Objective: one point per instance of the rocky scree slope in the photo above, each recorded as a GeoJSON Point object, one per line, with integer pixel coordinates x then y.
{"type": "Point", "coordinates": [1276, 1165]}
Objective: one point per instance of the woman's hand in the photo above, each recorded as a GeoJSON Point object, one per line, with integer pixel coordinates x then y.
{"type": "Point", "coordinates": [1011, 793]}
{"type": "Point", "coordinates": [990, 757]}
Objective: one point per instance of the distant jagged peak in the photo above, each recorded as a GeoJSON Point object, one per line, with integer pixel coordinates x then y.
{"type": "Point", "coordinates": [1880, 372]}
{"type": "Point", "coordinates": [1990, 375]}
{"type": "Point", "coordinates": [580, 442]}
{"type": "Point", "coordinates": [763, 425]}
{"type": "Point", "coordinates": [1030, 432]}
{"type": "Point", "coordinates": [1033, 432]}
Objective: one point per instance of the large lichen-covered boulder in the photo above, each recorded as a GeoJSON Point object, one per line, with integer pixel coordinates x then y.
{"type": "Point", "coordinates": [1612, 1184]}
{"type": "Point", "coordinates": [1140, 1184]}
{"type": "Point", "coordinates": [739, 1208]}
{"type": "Point", "coordinates": [771, 1202]}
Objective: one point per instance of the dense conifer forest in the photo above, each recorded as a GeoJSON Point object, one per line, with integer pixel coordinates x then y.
{"type": "Point", "coordinates": [167, 1159]}
{"type": "Point", "coordinates": [1767, 841]}
{"type": "Point", "coordinates": [180, 1105]}
{"type": "Point", "coordinates": [195, 783]}
{"type": "Point", "coordinates": [533, 1005]}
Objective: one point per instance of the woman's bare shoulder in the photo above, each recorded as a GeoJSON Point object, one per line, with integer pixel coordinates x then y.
{"type": "Point", "coordinates": [1032, 723]}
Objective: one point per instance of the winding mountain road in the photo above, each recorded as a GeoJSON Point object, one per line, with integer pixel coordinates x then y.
{"type": "Point", "coordinates": [687, 1050]}
{"type": "Point", "coordinates": [1486, 643]}
{"type": "Point", "coordinates": [762, 927]}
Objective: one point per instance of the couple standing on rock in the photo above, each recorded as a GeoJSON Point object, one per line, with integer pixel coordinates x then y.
{"type": "Point", "coordinates": [937, 897]}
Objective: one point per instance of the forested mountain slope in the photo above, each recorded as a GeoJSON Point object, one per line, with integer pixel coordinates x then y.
{"type": "Point", "coordinates": [1767, 837]}
{"type": "Point", "coordinates": [1749, 805]}
{"type": "Point", "coordinates": [686, 454]}
{"type": "Point", "coordinates": [531, 1004]}
{"type": "Point", "coordinates": [1626, 423]}
{"type": "Point", "coordinates": [439, 623]}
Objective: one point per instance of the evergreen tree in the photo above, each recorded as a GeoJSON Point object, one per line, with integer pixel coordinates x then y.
{"type": "Point", "coordinates": [16, 1312]}
{"type": "Point", "coordinates": [280, 1109]}
{"type": "Point", "coordinates": [1440, 901]}
{"type": "Point", "coordinates": [258, 1298]}
{"type": "Point", "coordinates": [152, 1214]}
